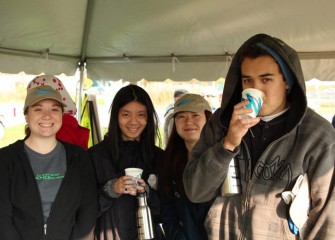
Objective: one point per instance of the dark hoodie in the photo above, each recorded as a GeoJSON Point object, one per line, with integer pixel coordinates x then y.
{"type": "Point", "coordinates": [305, 145]}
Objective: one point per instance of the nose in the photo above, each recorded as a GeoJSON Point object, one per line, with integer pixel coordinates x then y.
{"type": "Point", "coordinates": [133, 120]}
{"type": "Point", "coordinates": [46, 114]}
{"type": "Point", "coordinates": [188, 120]}
{"type": "Point", "coordinates": [257, 85]}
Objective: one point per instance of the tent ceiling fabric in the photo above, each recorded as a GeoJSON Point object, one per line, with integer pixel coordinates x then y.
{"type": "Point", "coordinates": [156, 40]}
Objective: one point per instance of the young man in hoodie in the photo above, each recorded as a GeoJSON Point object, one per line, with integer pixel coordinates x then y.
{"type": "Point", "coordinates": [285, 140]}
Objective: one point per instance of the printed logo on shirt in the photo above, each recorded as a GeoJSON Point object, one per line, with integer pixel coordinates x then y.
{"type": "Point", "coordinates": [273, 168]}
{"type": "Point", "coordinates": [48, 176]}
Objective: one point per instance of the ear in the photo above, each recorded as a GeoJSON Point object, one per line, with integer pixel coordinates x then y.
{"type": "Point", "coordinates": [26, 118]}
{"type": "Point", "coordinates": [286, 86]}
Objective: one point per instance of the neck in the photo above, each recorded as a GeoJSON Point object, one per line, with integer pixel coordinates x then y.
{"type": "Point", "coordinates": [42, 146]}
{"type": "Point", "coordinates": [189, 147]}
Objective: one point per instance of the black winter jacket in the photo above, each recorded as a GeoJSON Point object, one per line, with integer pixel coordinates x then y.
{"type": "Point", "coordinates": [117, 218]}
{"type": "Point", "coordinates": [73, 212]}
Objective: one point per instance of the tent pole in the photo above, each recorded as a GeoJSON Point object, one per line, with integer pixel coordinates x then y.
{"type": "Point", "coordinates": [81, 81]}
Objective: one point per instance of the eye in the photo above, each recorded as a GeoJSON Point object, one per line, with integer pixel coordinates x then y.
{"type": "Point", "coordinates": [56, 109]}
{"type": "Point", "coordinates": [180, 116]}
{"type": "Point", "coordinates": [37, 108]}
{"type": "Point", "coordinates": [142, 115]}
{"type": "Point", "coordinates": [265, 80]}
{"type": "Point", "coordinates": [245, 80]}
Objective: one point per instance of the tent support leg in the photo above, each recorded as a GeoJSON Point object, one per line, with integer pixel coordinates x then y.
{"type": "Point", "coordinates": [80, 91]}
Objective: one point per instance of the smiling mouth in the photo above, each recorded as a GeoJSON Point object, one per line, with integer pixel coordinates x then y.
{"type": "Point", "coordinates": [46, 125]}
{"type": "Point", "coordinates": [190, 129]}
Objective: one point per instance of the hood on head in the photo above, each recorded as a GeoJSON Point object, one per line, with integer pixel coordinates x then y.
{"type": "Point", "coordinates": [289, 63]}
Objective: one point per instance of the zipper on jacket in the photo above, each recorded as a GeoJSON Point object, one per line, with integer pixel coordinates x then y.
{"type": "Point", "coordinates": [36, 187]}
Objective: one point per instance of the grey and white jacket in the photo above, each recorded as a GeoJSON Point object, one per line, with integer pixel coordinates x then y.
{"type": "Point", "coordinates": [307, 145]}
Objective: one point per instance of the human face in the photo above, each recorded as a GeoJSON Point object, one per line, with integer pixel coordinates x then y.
{"type": "Point", "coordinates": [189, 125]}
{"type": "Point", "coordinates": [44, 118]}
{"type": "Point", "coordinates": [263, 73]}
{"type": "Point", "coordinates": [132, 120]}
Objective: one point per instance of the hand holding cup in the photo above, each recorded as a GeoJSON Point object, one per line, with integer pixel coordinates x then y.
{"type": "Point", "coordinates": [136, 177]}
{"type": "Point", "coordinates": [255, 98]}
{"type": "Point", "coordinates": [244, 117]}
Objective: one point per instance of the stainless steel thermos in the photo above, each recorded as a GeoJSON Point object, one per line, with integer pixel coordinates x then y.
{"type": "Point", "coordinates": [232, 183]}
{"type": "Point", "coordinates": [144, 220]}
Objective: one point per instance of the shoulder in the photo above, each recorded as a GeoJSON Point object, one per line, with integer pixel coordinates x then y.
{"type": "Point", "coordinates": [158, 152]}
{"type": "Point", "coordinates": [157, 156]}
{"type": "Point", "coordinates": [313, 120]}
{"type": "Point", "coordinates": [12, 155]}
{"type": "Point", "coordinates": [314, 128]}
{"type": "Point", "coordinates": [98, 149]}
{"type": "Point", "coordinates": [99, 155]}
{"type": "Point", "coordinates": [214, 127]}
{"type": "Point", "coordinates": [12, 148]}
{"type": "Point", "coordinates": [73, 148]}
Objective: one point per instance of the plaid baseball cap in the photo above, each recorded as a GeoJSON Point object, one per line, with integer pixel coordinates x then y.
{"type": "Point", "coordinates": [37, 94]}
{"type": "Point", "coordinates": [191, 103]}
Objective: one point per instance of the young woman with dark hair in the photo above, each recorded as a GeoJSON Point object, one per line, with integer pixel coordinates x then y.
{"type": "Point", "coordinates": [182, 219]}
{"type": "Point", "coordinates": [130, 142]}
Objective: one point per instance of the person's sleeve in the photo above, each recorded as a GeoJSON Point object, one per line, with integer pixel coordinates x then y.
{"type": "Point", "coordinates": [170, 219]}
{"type": "Point", "coordinates": [7, 228]}
{"type": "Point", "coordinates": [87, 213]}
{"type": "Point", "coordinates": [106, 192]}
{"type": "Point", "coordinates": [208, 167]}
{"type": "Point", "coordinates": [321, 219]}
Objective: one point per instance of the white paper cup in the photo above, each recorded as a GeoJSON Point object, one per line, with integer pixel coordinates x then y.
{"type": "Point", "coordinates": [255, 98]}
{"type": "Point", "coordinates": [134, 172]}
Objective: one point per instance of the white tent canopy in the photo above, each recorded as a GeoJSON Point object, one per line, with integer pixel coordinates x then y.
{"type": "Point", "coordinates": [156, 40]}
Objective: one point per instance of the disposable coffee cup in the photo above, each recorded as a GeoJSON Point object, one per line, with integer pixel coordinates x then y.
{"type": "Point", "coordinates": [255, 98]}
{"type": "Point", "coordinates": [134, 172]}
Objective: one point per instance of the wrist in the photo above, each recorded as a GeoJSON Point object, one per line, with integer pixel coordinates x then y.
{"type": "Point", "coordinates": [109, 189]}
{"type": "Point", "coordinates": [228, 147]}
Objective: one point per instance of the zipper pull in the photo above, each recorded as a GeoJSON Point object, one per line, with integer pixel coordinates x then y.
{"type": "Point", "coordinates": [45, 229]}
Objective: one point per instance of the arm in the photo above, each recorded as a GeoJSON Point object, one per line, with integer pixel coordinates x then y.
{"type": "Point", "coordinates": [322, 176]}
{"type": "Point", "coordinates": [105, 177]}
{"type": "Point", "coordinates": [7, 228]}
{"type": "Point", "coordinates": [207, 169]}
{"type": "Point", "coordinates": [208, 166]}
{"type": "Point", "coordinates": [170, 218]}
{"type": "Point", "coordinates": [87, 213]}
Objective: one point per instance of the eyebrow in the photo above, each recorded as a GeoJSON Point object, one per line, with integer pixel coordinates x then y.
{"type": "Point", "coordinates": [128, 111]}
{"type": "Point", "coordinates": [41, 105]}
{"type": "Point", "coordinates": [262, 75]}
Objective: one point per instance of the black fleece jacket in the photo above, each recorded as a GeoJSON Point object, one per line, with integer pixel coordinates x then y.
{"type": "Point", "coordinates": [73, 212]}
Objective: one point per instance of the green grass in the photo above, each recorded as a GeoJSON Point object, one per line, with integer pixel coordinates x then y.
{"type": "Point", "coordinates": [12, 134]}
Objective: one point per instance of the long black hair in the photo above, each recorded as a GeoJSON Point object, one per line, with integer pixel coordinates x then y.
{"type": "Point", "coordinates": [149, 135]}
{"type": "Point", "coordinates": [174, 161]}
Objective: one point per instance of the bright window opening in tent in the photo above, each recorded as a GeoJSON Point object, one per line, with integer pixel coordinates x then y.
{"type": "Point", "coordinates": [320, 95]}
